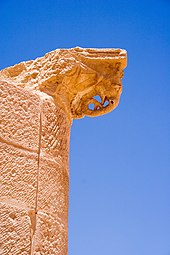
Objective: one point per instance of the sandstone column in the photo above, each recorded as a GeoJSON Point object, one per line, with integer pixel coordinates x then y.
{"type": "Point", "coordinates": [39, 99]}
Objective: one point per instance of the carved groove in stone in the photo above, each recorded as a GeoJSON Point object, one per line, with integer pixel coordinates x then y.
{"type": "Point", "coordinates": [75, 78]}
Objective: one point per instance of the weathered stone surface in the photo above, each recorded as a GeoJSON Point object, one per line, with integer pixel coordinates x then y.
{"type": "Point", "coordinates": [37, 182]}
{"type": "Point", "coordinates": [18, 175]}
{"type": "Point", "coordinates": [53, 186]}
{"type": "Point", "coordinates": [38, 101]}
{"type": "Point", "coordinates": [51, 236]}
{"type": "Point", "coordinates": [55, 132]}
{"type": "Point", "coordinates": [15, 229]}
{"type": "Point", "coordinates": [19, 116]}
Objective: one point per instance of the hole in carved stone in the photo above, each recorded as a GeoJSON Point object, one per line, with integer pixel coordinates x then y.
{"type": "Point", "coordinates": [112, 102]}
{"type": "Point", "coordinates": [98, 98]}
{"type": "Point", "coordinates": [12, 215]}
{"type": "Point", "coordinates": [106, 103]}
{"type": "Point", "coordinates": [91, 106]}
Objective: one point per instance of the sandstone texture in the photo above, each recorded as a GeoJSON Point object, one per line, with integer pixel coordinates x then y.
{"type": "Point", "coordinates": [38, 100]}
{"type": "Point", "coordinates": [34, 149]}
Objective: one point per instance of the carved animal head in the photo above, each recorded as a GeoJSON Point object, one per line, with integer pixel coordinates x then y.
{"type": "Point", "coordinates": [90, 80]}
{"type": "Point", "coordinates": [86, 82]}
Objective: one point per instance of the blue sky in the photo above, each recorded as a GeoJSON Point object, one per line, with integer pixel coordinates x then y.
{"type": "Point", "coordinates": [120, 162]}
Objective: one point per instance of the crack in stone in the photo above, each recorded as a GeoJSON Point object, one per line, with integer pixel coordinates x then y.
{"type": "Point", "coordinates": [33, 215]}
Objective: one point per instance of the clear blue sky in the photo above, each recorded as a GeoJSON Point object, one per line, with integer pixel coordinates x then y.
{"type": "Point", "coordinates": [119, 163]}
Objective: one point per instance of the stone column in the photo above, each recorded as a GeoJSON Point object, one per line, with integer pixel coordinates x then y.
{"type": "Point", "coordinates": [39, 99]}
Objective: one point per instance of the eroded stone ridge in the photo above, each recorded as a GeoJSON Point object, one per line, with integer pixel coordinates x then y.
{"type": "Point", "coordinates": [85, 82]}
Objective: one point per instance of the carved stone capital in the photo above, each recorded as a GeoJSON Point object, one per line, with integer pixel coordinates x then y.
{"type": "Point", "coordinates": [85, 82]}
